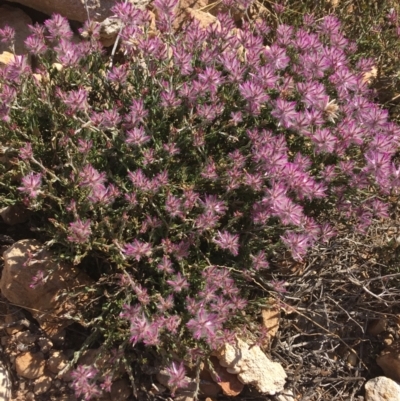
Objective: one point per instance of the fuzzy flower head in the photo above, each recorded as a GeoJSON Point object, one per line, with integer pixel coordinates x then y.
{"type": "Point", "coordinates": [228, 241]}
{"type": "Point", "coordinates": [31, 185]}
{"type": "Point", "coordinates": [177, 376]}
{"type": "Point", "coordinates": [26, 153]}
{"type": "Point", "coordinates": [7, 34]}
{"type": "Point", "coordinates": [79, 231]}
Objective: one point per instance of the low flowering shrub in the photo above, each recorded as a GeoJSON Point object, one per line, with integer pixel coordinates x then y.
{"type": "Point", "coordinates": [188, 165]}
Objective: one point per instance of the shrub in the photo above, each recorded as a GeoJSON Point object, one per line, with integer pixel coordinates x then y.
{"type": "Point", "coordinates": [188, 165]}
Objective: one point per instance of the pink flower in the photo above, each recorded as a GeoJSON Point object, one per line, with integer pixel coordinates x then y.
{"type": "Point", "coordinates": [79, 231]}
{"type": "Point", "coordinates": [297, 244]}
{"type": "Point", "coordinates": [58, 27]}
{"type": "Point", "coordinates": [37, 280]}
{"type": "Point", "coordinates": [137, 137]}
{"type": "Point", "coordinates": [204, 325]}
{"type": "Point", "coordinates": [7, 34]}
{"type": "Point", "coordinates": [137, 249]}
{"type": "Point", "coordinates": [179, 283]}
{"type": "Point", "coordinates": [228, 241]}
{"type": "Point", "coordinates": [177, 376]}
{"type": "Point", "coordinates": [31, 184]}
{"type": "Point", "coordinates": [26, 152]}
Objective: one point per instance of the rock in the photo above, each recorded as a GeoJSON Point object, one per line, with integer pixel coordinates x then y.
{"type": "Point", "coordinates": [382, 389]}
{"type": "Point", "coordinates": [29, 365]}
{"type": "Point", "coordinates": [5, 384]}
{"type": "Point", "coordinates": [14, 214]}
{"type": "Point", "coordinates": [45, 344]}
{"type": "Point", "coordinates": [42, 385]}
{"type": "Point", "coordinates": [50, 301]}
{"type": "Point", "coordinates": [120, 390]}
{"type": "Point", "coordinates": [389, 361]}
{"type": "Point", "coordinates": [25, 337]}
{"type": "Point", "coordinates": [203, 17]}
{"type": "Point", "coordinates": [252, 367]}
{"type": "Point", "coordinates": [18, 20]}
{"type": "Point", "coordinates": [376, 326]}
{"type": "Point", "coordinates": [271, 317]}
{"type": "Point", "coordinates": [229, 383]}
{"type": "Point", "coordinates": [109, 30]}
{"type": "Point", "coordinates": [6, 57]}
{"type": "Point", "coordinates": [11, 318]}
{"type": "Point", "coordinates": [76, 9]}
{"type": "Point", "coordinates": [57, 361]}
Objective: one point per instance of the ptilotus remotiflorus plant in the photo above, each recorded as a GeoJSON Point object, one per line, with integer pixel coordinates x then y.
{"type": "Point", "coordinates": [189, 164]}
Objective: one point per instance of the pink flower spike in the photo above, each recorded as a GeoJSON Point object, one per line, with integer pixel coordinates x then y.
{"type": "Point", "coordinates": [26, 153]}
{"type": "Point", "coordinates": [179, 283]}
{"type": "Point", "coordinates": [80, 231]}
{"type": "Point", "coordinates": [31, 184]}
{"type": "Point", "coordinates": [137, 249]}
{"type": "Point", "coordinates": [228, 241]}
{"type": "Point", "coordinates": [177, 376]}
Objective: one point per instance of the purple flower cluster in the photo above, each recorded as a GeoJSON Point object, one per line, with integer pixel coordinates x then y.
{"type": "Point", "coordinates": [189, 163]}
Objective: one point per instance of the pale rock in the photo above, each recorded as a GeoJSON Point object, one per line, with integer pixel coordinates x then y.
{"type": "Point", "coordinates": [76, 9]}
{"type": "Point", "coordinates": [45, 344]}
{"type": "Point", "coordinates": [57, 364]}
{"type": "Point", "coordinates": [229, 383]}
{"type": "Point", "coordinates": [18, 20]}
{"type": "Point", "coordinates": [389, 361]}
{"type": "Point", "coordinates": [121, 390]}
{"type": "Point", "coordinates": [30, 365]}
{"type": "Point", "coordinates": [5, 384]}
{"type": "Point", "coordinates": [25, 337]}
{"type": "Point", "coordinates": [109, 30]}
{"type": "Point", "coordinates": [382, 389]}
{"type": "Point", "coordinates": [252, 366]}
{"type": "Point", "coordinates": [6, 58]}
{"type": "Point", "coordinates": [203, 17]}
{"type": "Point", "coordinates": [271, 318]}
{"type": "Point", "coordinates": [29, 396]}
{"type": "Point", "coordinates": [42, 384]}
{"type": "Point", "coordinates": [50, 303]}
{"type": "Point", "coordinates": [14, 214]}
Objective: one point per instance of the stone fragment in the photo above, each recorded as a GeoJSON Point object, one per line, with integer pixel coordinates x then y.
{"type": "Point", "coordinates": [229, 383]}
{"type": "Point", "coordinates": [50, 303]}
{"type": "Point", "coordinates": [382, 389]}
{"type": "Point", "coordinates": [45, 344]}
{"type": "Point", "coordinates": [18, 20]}
{"type": "Point", "coordinates": [376, 326]}
{"type": "Point", "coordinates": [203, 17]}
{"type": "Point", "coordinates": [25, 337]}
{"type": "Point", "coordinates": [6, 57]}
{"type": "Point", "coordinates": [29, 365]}
{"type": "Point", "coordinates": [56, 362]}
{"type": "Point", "coordinates": [14, 214]}
{"type": "Point", "coordinates": [76, 9]}
{"type": "Point", "coordinates": [109, 30]}
{"type": "Point", "coordinates": [271, 317]}
{"type": "Point", "coordinates": [5, 384]}
{"type": "Point", "coordinates": [42, 384]}
{"type": "Point", "coordinates": [252, 366]}
{"type": "Point", "coordinates": [121, 390]}
{"type": "Point", "coordinates": [389, 361]}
